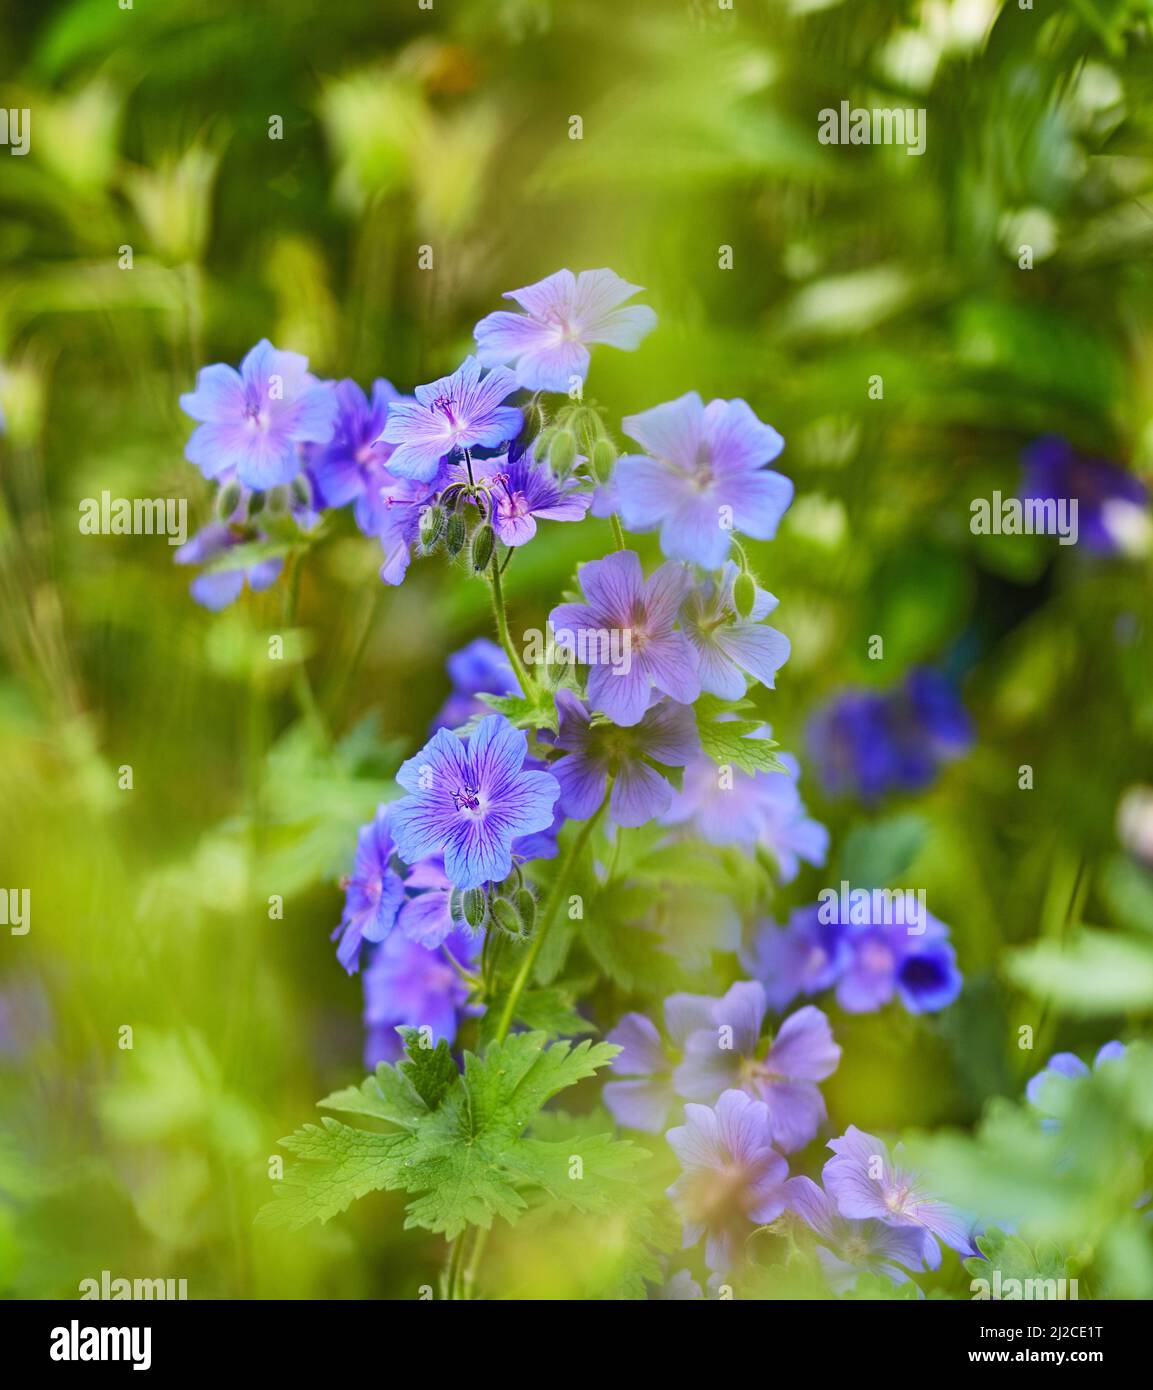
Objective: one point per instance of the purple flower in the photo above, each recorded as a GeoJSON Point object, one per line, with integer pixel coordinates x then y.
{"type": "Point", "coordinates": [470, 798]}
{"type": "Point", "coordinates": [462, 411]}
{"type": "Point", "coordinates": [703, 478]}
{"type": "Point", "coordinates": [408, 986]}
{"type": "Point", "coordinates": [727, 645]}
{"type": "Point", "coordinates": [642, 616]}
{"type": "Point", "coordinates": [750, 809]}
{"type": "Point", "coordinates": [805, 957]}
{"type": "Point", "coordinates": [733, 1178]}
{"type": "Point", "coordinates": [255, 420]}
{"type": "Point", "coordinates": [729, 1053]}
{"type": "Point", "coordinates": [480, 668]}
{"type": "Point", "coordinates": [373, 892]}
{"type": "Point", "coordinates": [523, 491]}
{"type": "Point", "coordinates": [390, 510]}
{"type": "Point", "coordinates": [848, 1248]}
{"type": "Point", "coordinates": [594, 751]}
{"type": "Point", "coordinates": [353, 461]}
{"type": "Point", "coordinates": [886, 959]}
{"type": "Point", "coordinates": [426, 916]}
{"type": "Point", "coordinates": [564, 313]}
{"type": "Point", "coordinates": [869, 744]}
{"type": "Point", "coordinates": [644, 1100]}
{"type": "Point", "coordinates": [216, 589]}
{"type": "Point", "coordinates": [866, 1184]}
{"type": "Point", "coordinates": [1062, 1067]}
{"type": "Point", "coordinates": [1112, 504]}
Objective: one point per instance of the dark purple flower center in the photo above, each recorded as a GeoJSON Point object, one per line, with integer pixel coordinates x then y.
{"type": "Point", "coordinates": [445, 406]}
{"type": "Point", "coordinates": [466, 798]}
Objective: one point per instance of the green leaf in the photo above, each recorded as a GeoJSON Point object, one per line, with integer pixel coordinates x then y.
{"type": "Point", "coordinates": [1096, 972]}
{"type": "Point", "coordinates": [431, 1071]}
{"type": "Point", "coordinates": [462, 1151]}
{"type": "Point", "coordinates": [536, 711]}
{"type": "Point", "coordinates": [876, 854]}
{"type": "Point", "coordinates": [733, 740]}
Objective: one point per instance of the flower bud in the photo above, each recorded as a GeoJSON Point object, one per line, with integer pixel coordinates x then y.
{"type": "Point", "coordinates": [277, 499]}
{"type": "Point", "coordinates": [482, 547]}
{"type": "Point", "coordinates": [455, 534]}
{"type": "Point", "coordinates": [507, 918]}
{"type": "Point", "coordinates": [562, 452]}
{"type": "Point", "coordinates": [604, 458]}
{"type": "Point", "coordinates": [227, 500]}
{"type": "Point", "coordinates": [526, 908]}
{"type": "Point", "coordinates": [301, 489]}
{"type": "Point", "coordinates": [744, 593]}
{"type": "Point", "coordinates": [431, 525]}
{"type": "Point", "coordinates": [474, 907]}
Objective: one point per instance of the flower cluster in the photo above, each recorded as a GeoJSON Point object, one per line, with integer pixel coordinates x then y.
{"type": "Point", "coordinates": [868, 963]}
{"type": "Point", "coordinates": [638, 723]}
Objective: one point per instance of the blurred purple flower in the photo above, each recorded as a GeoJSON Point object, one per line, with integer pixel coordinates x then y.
{"type": "Point", "coordinates": [480, 668]}
{"type": "Point", "coordinates": [594, 751]}
{"type": "Point", "coordinates": [728, 646]}
{"type": "Point", "coordinates": [548, 344]}
{"type": "Point", "coordinates": [350, 464]}
{"type": "Point", "coordinates": [407, 985]}
{"type": "Point", "coordinates": [886, 959]}
{"type": "Point", "coordinates": [255, 420]}
{"type": "Point", "coordinates": [728, 1052]}
{"type": "Point", "coordinates": [1065, 1066]}
{"type": "Point", "coordinates": [866, 1184]}
{"type": "Point", "coordinates": [804, 957]}
{"type": "Point", "coordinates": [868, 744]}
{"type": "Point", "coordinates": [751, 809]}
{"type": "Point", "coordinates": [1112, 504]}
{"type": "Point", "coordinates": [848, 1248]}
{"type": "Point", "coordinates": [733, 1178]}
{"type": "Point", "coordinates": [644, 1099]}
{"type": "Point", "coordinates": [703, 477]}
{"type": "Point", "coordinates": [374, 892]}
{"type": "Point", "coordinates": [643, 614]}
{"type": "Point", "coordinates": [461, 411]}
{"type": "Point", "coordinates": [216, 589]}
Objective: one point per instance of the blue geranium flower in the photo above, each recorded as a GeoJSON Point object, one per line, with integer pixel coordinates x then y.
{"type": "Point", "coordinates": [255, 421]}
{"type": "Point", "coordinates": [457, 412]}
{"type": "Point", "coordinates": [703, 477]}
{"type": "Point", "coordinates": [564, 313]}
{"type": "Point", "coordinates": [468, 799]}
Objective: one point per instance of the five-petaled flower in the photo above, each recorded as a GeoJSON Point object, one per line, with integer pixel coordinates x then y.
{"type": "Point", "coordinates": [469, 799]}
{"type": "Point", "coordinates": [458, 412]}
{"type": "Point", "coordinates": [702, 478]}
{"type": "Point", "coordinates": [255, 420]}
{"type": "Point", "coordinates": [733, 1179]}
{"type": "Point", "coordinates": [596, 750]}
{"type": "Point", "coordinates": [563, 314]}
{"type": "Point", "coordinates": [620, 601]}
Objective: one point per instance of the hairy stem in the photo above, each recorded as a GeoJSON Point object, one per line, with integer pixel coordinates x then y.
{"type": "Point", "coordinates": [618, 534]}
{"type": "Point", "coordinates": [552, 902]}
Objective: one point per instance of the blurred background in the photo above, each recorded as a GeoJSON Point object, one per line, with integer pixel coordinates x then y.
{"type": "Point", "coordinates": [999, 287]}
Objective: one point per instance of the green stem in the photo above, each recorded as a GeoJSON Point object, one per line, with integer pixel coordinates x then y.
{"type": "Point", "coordinates": [618, 534]}
{"type": "Point", "coordinates": [501, 616]}
{"type": "Point", "coordinates": [455, 1265]}
{"type": "Point", "coordinates": [301, 685]}
{"type": "Point", "coordinates": [552, 902]}
{"type": "Point", "coordinates": [474, 1262]}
